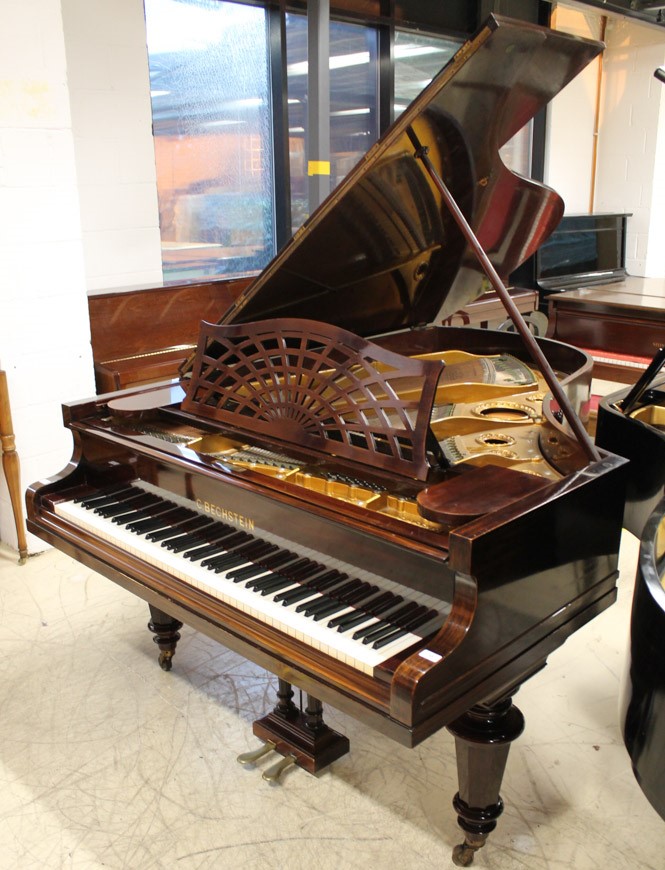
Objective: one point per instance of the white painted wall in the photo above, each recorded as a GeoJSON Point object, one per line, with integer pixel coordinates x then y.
{"type": "Point", "coordinates": [569, 144]}
{"type": "Point", "coordinates": [630, 170]}
{"type": "Point", "coordinates": [631, 144]}
{"type": "Point", "coordinates": [109, 91]}
{"type": "Point", "coordinates": [78, 205]}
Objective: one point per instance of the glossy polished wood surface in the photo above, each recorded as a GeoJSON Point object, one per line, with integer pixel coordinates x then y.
{"type": "Point", "coordinates": [11, 466]}
{"type": "Point", "coordinates": [626, 319]}
{"type": "Point", "coordinates": [144, 334]}
{"type": "Point", "coordinates": [643, 443]}
{"type": "Point", "coordinates": [512, 578]}
{"type": "Point", "coordinates": [643, 687]}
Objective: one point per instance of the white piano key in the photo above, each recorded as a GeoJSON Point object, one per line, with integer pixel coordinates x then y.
{"type": "Point", "coordinates": [339, 645]}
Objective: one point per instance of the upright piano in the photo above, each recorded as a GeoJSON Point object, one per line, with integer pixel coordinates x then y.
{"type": "Point", "coordinates": [401, 520]}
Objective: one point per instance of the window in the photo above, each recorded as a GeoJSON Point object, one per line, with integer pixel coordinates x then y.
{"type": "Point", "coordinates": [212, 131]}
{"type": "Point", "coordinates": [213, 123]}
{"type": "Point", "coordinates": [418, 59]}
{"type": "Point", "coordinates": [353, 102]}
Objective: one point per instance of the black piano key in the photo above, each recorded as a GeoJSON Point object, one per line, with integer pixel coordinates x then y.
{"type": "Point", "coordinates": [237, 545]}
{"type": "Point", "coordinates": [326, 610]}
{"type": "Point", "coordinates": [301, 575]}
{"type": "Point", "coordinates": [333, 596]}
{"type": "Point", "coordinates": [189, 528]}
{"type": "Point", "coordinates": [260, 550]}
{"type": "Point", "coordinates": [237, 539]}
{"type": "Point", "coordinates": [169, 523]}
{"type": "Point", "coordinates": [418, 618]}
{"type": "Point", "coordinates": [400, 620]}
{"type": "Point", "coordinates": [121, 507]}
{"type": "Point", "coordinates": [177, 528]}
{"type": "Point", "coordinates": [141, 512]}
{"type": "Point", "coordinates": [191, 539]}
{"type": "Point", "coordinates": [386, 622]}
{"type": "Point", "coordinates": [214, 544]}
{"type": "Point", "coordinates": [278, 582]}
{"type": "Point", "coordinates": [155, 507]}
{"type": "Point", "coordinates": [292, 596]}
{"type": "Point", "coordinates": [236, 554]}
{"type": "Point", "coordinates": [314, 586]}
{"type": "Point", "coordinates": [418, 621]}
{"type": "Point", "coordinates": [408, 619]}
{"type": "Point", "coordinates": [324, 582]}
{"type": "Point", "coordinates": [365, 611]}
{"type": "Point", "coordinates": [103, 495]}
{"type": "Point", "coordinates": [353, 599]}
{"type": "Point", "coordinates": [389, 638]}
{"type": "Point", "coordinates": [265, 563]}
{"type": "Point", "coordinates": [157, 520]}
{"type": "Point", "coordinates": [380, 633]}
{"type": "Point", "coordinates": [293, 569]}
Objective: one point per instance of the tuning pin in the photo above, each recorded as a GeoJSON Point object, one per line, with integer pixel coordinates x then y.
{"type": "Point", "coordinates": [273, 773]}
{"type": "Point", "coordinates": [255, 754]}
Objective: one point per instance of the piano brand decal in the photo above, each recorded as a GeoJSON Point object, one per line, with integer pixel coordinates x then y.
{"type": "Point", "coordinates": [225, 514]}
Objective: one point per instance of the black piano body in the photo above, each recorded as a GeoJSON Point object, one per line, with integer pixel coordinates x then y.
{"type": "Point", "coordinates": [631, 422]}
{"type": "Point", "coordinates": [643, 687]}
{"type": "Point", "coordinates": [459, 491]}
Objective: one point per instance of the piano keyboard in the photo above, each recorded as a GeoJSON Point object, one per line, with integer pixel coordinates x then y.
{"type": "Point", "coordinates": [354, 616]}
{"type": "Point", "coordinates": [639, 363]}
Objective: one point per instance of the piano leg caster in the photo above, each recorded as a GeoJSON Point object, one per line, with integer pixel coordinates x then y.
{"type": "Point", "coordinates": [482, 739]}
{"type": "Point", "coordinates": [464, 854]}
{"type": "Point", "coordinates": [301, 736]}
{"type": "Point", "coordinates": [166, 631]}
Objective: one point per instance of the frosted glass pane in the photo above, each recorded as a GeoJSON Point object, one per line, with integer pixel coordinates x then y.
{"type": "Point", "coordinates": [418, 58]}
{"type": "Point", "coordinates": [353, 102]}
{"type": "Point", "coordinates": [212, 131]}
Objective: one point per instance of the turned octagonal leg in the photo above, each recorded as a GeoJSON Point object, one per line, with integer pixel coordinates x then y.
{"type": "Point", "coordinates": [482, 739]}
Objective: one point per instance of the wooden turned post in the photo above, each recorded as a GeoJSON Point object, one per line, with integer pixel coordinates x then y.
{"type": "Point", "coordinates": [302, 735]}
{"type": "Point", "coordinates": [11, 467]}
{"type": "Point", "coordinates": [166, 631]}
{"type": "Point", "coordinates": [482, 740]}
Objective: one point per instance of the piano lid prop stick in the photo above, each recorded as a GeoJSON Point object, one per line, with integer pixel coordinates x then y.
{"type": "Point", "coordinates": [421, 153]}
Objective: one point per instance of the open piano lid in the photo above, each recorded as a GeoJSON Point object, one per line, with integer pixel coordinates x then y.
{"type": "Point", "coordinates": [382, 252]}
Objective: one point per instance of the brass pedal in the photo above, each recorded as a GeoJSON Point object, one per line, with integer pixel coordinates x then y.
{"type": "Point", "coordinates": [255, 754]}
{"type": "Point", "coordinates": [274, 773]}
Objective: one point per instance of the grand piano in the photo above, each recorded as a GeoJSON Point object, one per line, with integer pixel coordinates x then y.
{"type": "Point", "coordinates": [399, 519]}
{"type": "Point", "coordinates": [631, 422]}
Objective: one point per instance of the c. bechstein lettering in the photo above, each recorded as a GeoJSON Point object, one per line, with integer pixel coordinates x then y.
{"type": "Point", "coordinates": [225, 514]}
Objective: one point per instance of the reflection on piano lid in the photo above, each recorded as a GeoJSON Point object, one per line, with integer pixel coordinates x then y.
{"type": "Point", "coordinates": [302, 454]}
